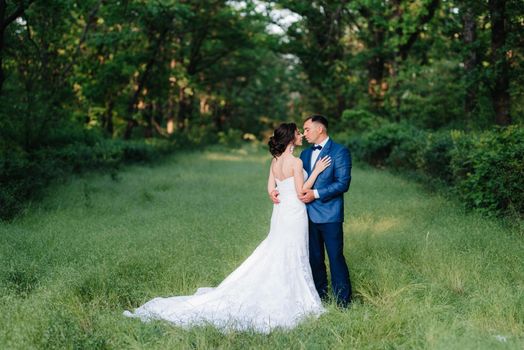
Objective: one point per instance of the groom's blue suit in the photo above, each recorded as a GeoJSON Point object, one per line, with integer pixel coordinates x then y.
{"type": "Point", "coordinates": [326, 215]}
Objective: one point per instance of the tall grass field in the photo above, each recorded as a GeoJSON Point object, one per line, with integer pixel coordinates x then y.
{"type": "Point", "coordinates": [426, 274]}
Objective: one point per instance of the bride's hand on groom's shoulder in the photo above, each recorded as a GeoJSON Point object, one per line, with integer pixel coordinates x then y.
{"type": "Point", "coordinates": [274, 196]}
{"type": "Point", "coordinates": [322, 164]}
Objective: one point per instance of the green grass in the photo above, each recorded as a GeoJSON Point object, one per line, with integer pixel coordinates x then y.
{"type": "Point", "coordinates": [425, 274]}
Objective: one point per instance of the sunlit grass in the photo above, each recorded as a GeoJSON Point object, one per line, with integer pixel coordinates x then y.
{"type": "Point", "coordinates": [425, 274]}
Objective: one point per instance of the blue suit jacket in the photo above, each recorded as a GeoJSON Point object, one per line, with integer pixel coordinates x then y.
{"type": "Point", "coordinates": [331, 184]}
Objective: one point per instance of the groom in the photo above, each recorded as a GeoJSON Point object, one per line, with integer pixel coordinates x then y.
{"type": "Point", "coordinates": [325, 207]}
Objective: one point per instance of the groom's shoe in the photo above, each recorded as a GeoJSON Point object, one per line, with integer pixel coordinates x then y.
{"type": "Point", "coordinates": [324, 295]}
{"type": "Point", "coordinates": [344, 304]}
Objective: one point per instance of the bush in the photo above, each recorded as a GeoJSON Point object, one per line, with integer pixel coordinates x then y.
{"type": "Point", "coordinates": [489, 174]}
{"type": "Point", "coordinates": [194, 136]}
{"type": "Point", "coordinates": [405, 155]}
{"type": "Point", "coordinates": [377, 145]}
{"type": "Point", "coordinates": [360, 120]}
{"type": "Point", "coordinates": [485, 170]}
{"type": "Point", "coordinates": [23, 175]}
{"type": "Point", "coordinates": [435, 156]}
{"type": "Point", "coordinates": [20, 178]}
{"type": "Point", "coordinates": [230, 138]}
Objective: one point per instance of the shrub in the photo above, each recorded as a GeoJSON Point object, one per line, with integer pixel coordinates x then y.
{"type": "Point", "coordinates": [23, 175]}
{"type": "Point", "coordinates": [20, 178]}
{"type": "Point", "coordinates": [230, 138]}
{"type": "Point", "coordinates": [360, 120]}
{"type": "Point", "coordinates": [435, 157]}
{"type": "Point", "coordinates": [405, 154]}
{"type": "Point", "coordinates": [485, 170]}
{"type": "Point", "coordinates": [194, 136]}
{"type": "Point", "coordinates": [353, 123]}
{"type": "Point", "coordinates": [377, 145]}
{"type": "Point", "coordinates": [489, 171]}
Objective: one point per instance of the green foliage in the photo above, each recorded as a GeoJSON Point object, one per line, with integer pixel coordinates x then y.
{"type": "Point", "coordinates": [430, 96]}
{"type": "Point", "coordinates": [195, 136]}
{"type": "Point", "coordinates": [82, 73]}
{"type": "Point", "coordinates": [436, 156]}
{"type": "Point", "coordinates": [20, 178]}
{"type": "Point", "coordinates": [377, 145]}
{"type": "Point", "coordinates": [24, 175]}
{"type": "Point", "coordinates": [141, 66]}
{"type": "Point", "coordinates": [405, 152]}
{"type": "Point", "coordinates": [484, 169]}
{"type": "Point", "coordinates": [359, 120]}
{"type": "Point", "coordinates": [231, 138]}
{"type": "Point", "coordinates": [196, 73]}
{"type": "Point", "coordinates": [489, 170]}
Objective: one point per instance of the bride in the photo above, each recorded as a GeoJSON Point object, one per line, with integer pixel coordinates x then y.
{"type": "Point", "coordinates": [274, 286]}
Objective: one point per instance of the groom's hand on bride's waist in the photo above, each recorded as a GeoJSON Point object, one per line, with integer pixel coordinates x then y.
{"type": "Point", "coordinates": [307, 196]}
{"type": "Point", "coordinates": [274, 196]}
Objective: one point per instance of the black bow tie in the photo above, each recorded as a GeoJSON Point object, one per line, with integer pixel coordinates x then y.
{"type": "Point", "coordinates": [317, 147]}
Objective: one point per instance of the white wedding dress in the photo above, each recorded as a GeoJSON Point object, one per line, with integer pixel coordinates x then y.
{"type": "Point", "coordinates": [272, 288]}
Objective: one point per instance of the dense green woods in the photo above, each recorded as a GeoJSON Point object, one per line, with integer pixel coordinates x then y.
{"type": "Point", "coordinates": [433, 63]}
{"type": "Point", "coordinates": [78, 77]}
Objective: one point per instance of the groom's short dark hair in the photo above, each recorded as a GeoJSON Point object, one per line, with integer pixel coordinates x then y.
{"type": "Point", "coordinates": [318, 118]}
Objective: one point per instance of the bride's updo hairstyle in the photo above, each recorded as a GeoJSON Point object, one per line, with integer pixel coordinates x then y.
{"type": "Point", "coordinates": [282, 136]}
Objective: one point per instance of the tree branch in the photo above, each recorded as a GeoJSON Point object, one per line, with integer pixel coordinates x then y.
{"type": "Point", "coordinates": [89, 23]}
{"type": "Point", "coordinates": [17, 13]}
{"type": "Point", "coordinates": [404, 48]}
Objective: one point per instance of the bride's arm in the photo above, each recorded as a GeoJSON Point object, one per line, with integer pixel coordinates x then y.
{"type": "Point", "coordinates": [298, 174]}
{"type": "Point", "coordinates": [271, 184]}
{"type": "Point", "coordinates": [321, 165]}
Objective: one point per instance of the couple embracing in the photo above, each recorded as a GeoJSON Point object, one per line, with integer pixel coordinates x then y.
{"type": "Point", "coordinates": [284, 280]}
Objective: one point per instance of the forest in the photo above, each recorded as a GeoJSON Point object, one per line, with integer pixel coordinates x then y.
{"type": "Point", "coordinates": [432, 87]}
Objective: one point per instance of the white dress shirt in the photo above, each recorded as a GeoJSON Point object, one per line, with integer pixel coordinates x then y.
{"type": "Point", "coordinates": [314, 157]}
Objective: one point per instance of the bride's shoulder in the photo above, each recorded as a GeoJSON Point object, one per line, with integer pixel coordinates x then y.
{"type": "Point", "coordinates": [297, 161]}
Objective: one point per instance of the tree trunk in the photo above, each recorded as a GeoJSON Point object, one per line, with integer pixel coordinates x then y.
{"type": "Point", "coordinates": [185, 109]}
{"type": "Point", "coordinates": [394, 68]}
{"type": "Point", "coordinates": [170, 125]}
{"type": "Point", "coordinates": [2, 74]}
{"type": "Point", "coordinates": [148, 116]}
{"type": "Point", "coordinates": [6, 20]}
{"type": "Point", "coordinates": [107, 121]}
{"type": "Point", "coordinates": [404, 48]}
{"type": "Point", "coordinates": [500, 91]}
{"type": "Point", "coordinates": [143, 80]}
{"type": "Point", "coordinates": [134, 100]}
{"type": "Point", "coordinates": [3, 25]}
{"type": "Point", "coordinates": [469, 32]}
{"type": "Point", "coordinates": [341, 104]}
{"type": "Point", "coordinates": [131, 123]}
{"type": "Point", "coordinates": [376, 70]}
{"type": "Point", "coordinates": [170, 113]}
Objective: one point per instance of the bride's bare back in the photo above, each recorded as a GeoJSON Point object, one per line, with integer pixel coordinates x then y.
{"type": "Point", "coordinates": [282, 166]}
{"type": "Point", "coordinates": [286, 166]}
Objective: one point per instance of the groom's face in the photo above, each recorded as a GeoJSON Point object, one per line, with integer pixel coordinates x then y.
{"type": "Point", "coordinates": [312, 131]}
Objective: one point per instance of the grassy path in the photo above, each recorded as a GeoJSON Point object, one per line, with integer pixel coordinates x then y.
{"type": "Point", "coordinates": [425, 274]}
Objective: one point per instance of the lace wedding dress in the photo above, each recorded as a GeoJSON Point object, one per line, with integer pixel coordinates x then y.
{"type": "Point", "coordinates": [272, 288]}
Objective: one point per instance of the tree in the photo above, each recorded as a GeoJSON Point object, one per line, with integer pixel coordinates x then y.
{"type": "Point", "coordinates": [317, 41]}
{"type": "Point", "coordinates": [6, 18]}
{"type": "Point", "coordinates": [499, 61]}
{"type": "Point", "coordinates": [471, 57]}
